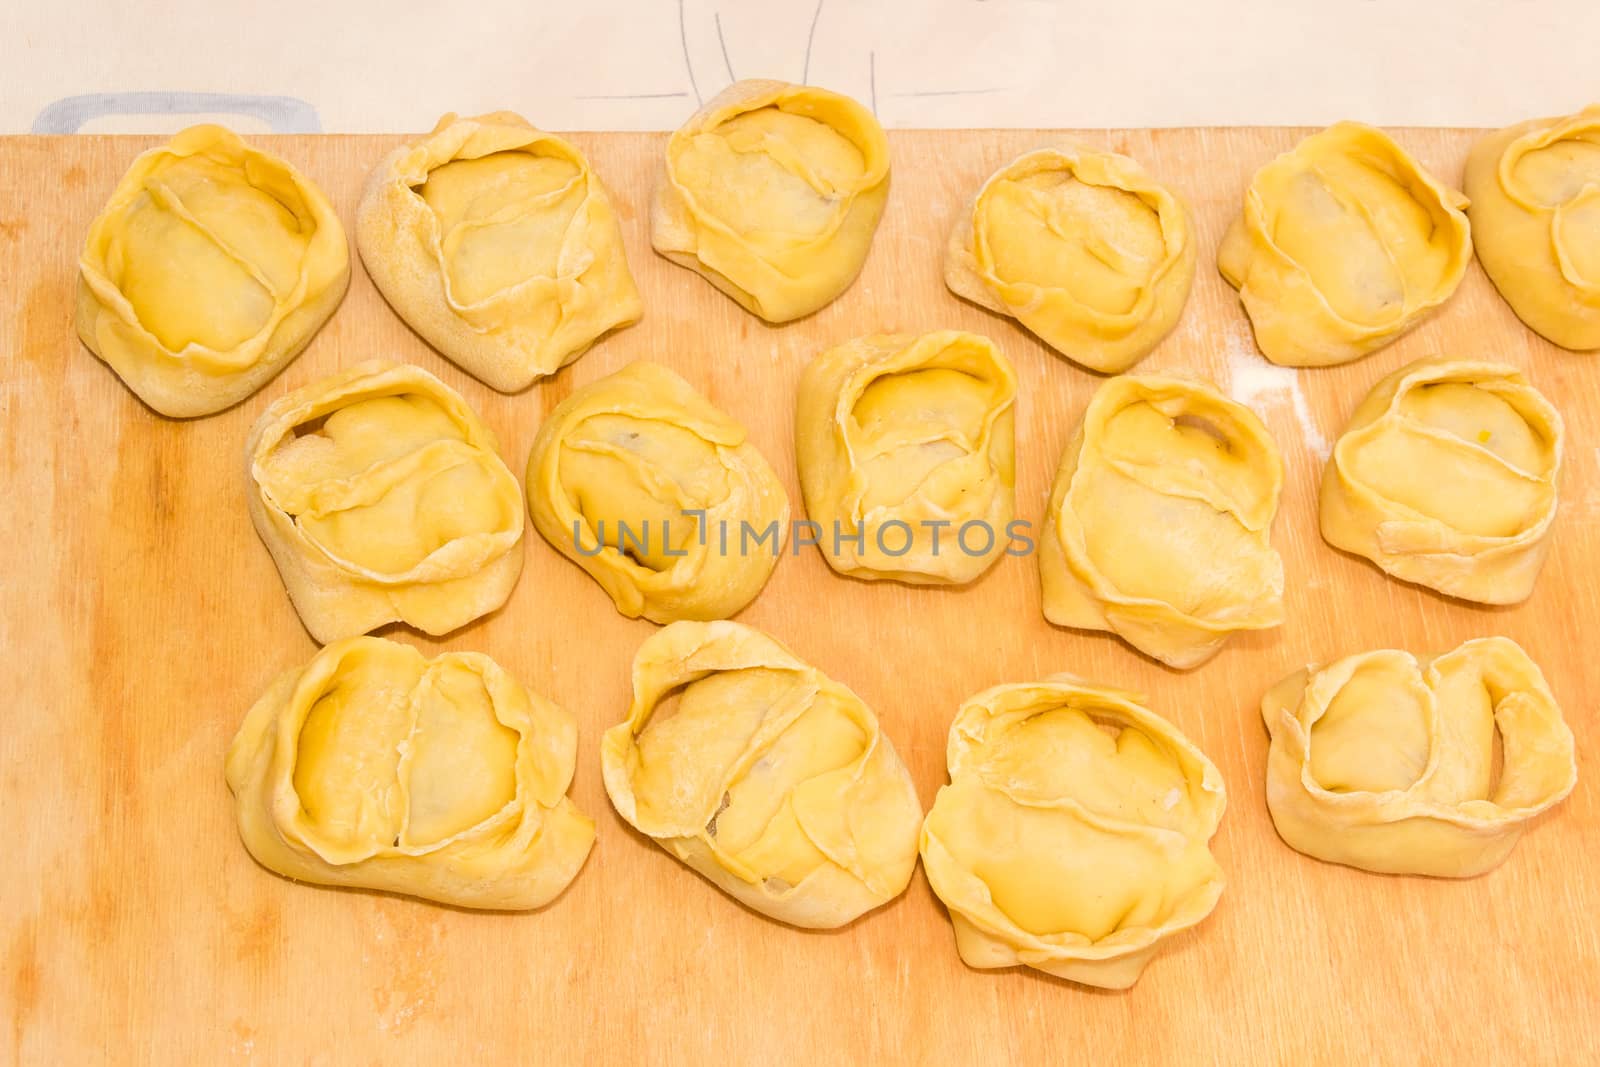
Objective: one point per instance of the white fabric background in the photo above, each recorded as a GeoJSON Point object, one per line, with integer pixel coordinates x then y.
{"type": "Point", "coordinates": [365, 65]}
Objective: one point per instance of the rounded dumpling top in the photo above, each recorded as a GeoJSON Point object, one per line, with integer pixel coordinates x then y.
{"type": "Point", "coordinates": [497, 242]}
{"type": "Point", "coordinates": [1159, 522]}
{"type": "Point", "coordinates": [907, 455]}
{"type": "Point", "coordinates": [208, 270]}
{"type": "Point", "coordinates": [1344, 244]}
{"type": "Point", "coordinates": [446, 779]}
{"type": "Point", "coordinates": [1082, 247]}
{"type": "Point", "coordinates": [383, 498]}
{"type": "Point", "coordinates": [1403, 765]}
{"type": "Point", "coordinates": [1447, 476]}
{"type": "Point", "coordinates": [1073, 836]}
{"type": "Point", "coordinates": [658, 495]}
{"type": "Point", "coordinates": [773, 191]}
{"type": "Point", "coordinates": [1535, 190]}
{"type": "Point", "coordinates": [760, 772]}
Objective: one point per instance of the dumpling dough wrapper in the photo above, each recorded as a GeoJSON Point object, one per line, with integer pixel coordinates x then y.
{"type": "Point", "coordinates": [1447, 476]}
{"type": "Point", "coordinates": [210, 268]}
{"type": "Point", "coordinates": [1159, 523]}
{"type": "Point", "coordinates": [1074, 834]}
{"type": "Point", "coordinates": [772, 193]}
{"type": "Point", "coordinates": [1535, 190]}
{"type": "Point", "coordinates": [762, 774]}
{"type": "Point", "coordinates": [373, 766]}
{"type": "Point", "coordinates": [497, 242]}
{"type": "Point", "coordinates": [659, 496]}
{"type": "Point", "coordinates": [1082, 247]}
{"type": "Point", "coordinates": [383, 498]}
{"type": "Point", "coordinates": [1345, 243]}
{"type": "Point", "coordinates": [1405, 765]}
{"type": "Point", "coordinates": [907, 454]}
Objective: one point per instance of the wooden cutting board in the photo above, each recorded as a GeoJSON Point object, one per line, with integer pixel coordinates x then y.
{"type": "Point", "coordinates": [142, 617]}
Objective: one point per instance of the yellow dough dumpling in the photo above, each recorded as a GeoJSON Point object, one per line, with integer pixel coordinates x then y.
{"type": "Point", "coordinates": [772, 191]}
{"type": "Point", "coordinates": [383, 498]}
{"type": "Point", "coordinates": [1084, 248]}
{"type": "Point", "coordinates": [1404, 766]}
{"type": "Point", "coordinates": [640, 481]}
{"type": "Point", "coordinates": [445, 779]}
{"type": "Point", "coordinates": [1159, 522]}
{"type": "Point", "coordinates": [764, 775]}
{"type": "Point", "coordinates": [1535, 190]}
{"type": "Point", "coordinates": [209, 269]}
{"type": "Point", "coordinates": [498, 244]}
{"type": "Point", "coordinates": [1447, 477]}
{"type": "Point", "coordinates": [907, 455]}
{"type": "Point", "coordinates": [1074, 834]}
{"type": "Point", "coordinates": [1345, 243]}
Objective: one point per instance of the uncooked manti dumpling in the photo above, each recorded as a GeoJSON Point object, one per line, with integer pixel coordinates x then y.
{"type": "Point", "coordinates": [1446, 476]}
{"type": "Point", "coordinates": [1345, 243]}
{"type": "Point", "coordinates": [763, 774]}
{"type": "Point", "coordinates": [907, 455]}
{"type": "Point", "coordinates": [1404, 766]}
{"type": "Point", "coordinates": [640, 481]}
{"type": "Point", "coordinates": [1535, 190]}
{"type": "Point", "coordinates": [209, 269]}
{"type": "Point", "coordinates": [445, 779]}
{"type": "Point", "coordinates": [1074, 834]}
{"type": "Point", "coordinates": [772, 191]}
{"type": "Point", "coordinates": [1082, 247]}
{"type": "Point", "coordinates": [1159, 521]}
{"type": "Point", "coordinates": [498, 244]}
{"type": "Point", "coordinates": [383, 498]}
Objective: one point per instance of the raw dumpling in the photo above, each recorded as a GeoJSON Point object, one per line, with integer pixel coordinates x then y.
{"type": "Point", "coordinates": [498, 244]}
{"type": "Point", "coordinates": [383, 498]}
{"type": "Point", "coordinates": [1535, 192]}
{"type": "Point", "coordinates": [764, 775]}
{"type": "Point", "coordinates": [1391, 764]}
{"type": "Point", "coordinates": [1159, 521]}
{"type": "Point", "coordinates": [1345, 244]}
{"type": "Point", "coordinates": [1446, 476]}
{"type": "Point", "coordinates": [1073, 836]}
{"type": "Point", "coordinates": [209, 269]}
{"type": "Point", "coordinates": [1082, 247]}
{"type": "Point", "coordinates": [640, 481]}
{"type": "Point", "coordinates": [443, 779]}
{"type": "Point", "coordinates": [772, 191]}
{"type": "Point", "coordinates": [907, 455]}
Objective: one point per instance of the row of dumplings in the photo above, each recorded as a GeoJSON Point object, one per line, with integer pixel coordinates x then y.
{"type": "Point", "coordinates": [215, 262]}
{"type": "Point", "coordinates": [382, 496]}
{"type": "Point", "coordinates": [1073, 835]}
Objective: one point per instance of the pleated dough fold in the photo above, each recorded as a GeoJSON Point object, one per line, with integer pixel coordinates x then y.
{"type": "Point", "coordinates": [1447, 476]}
{"type": "Point", "coordinates": [208, 270]}
{"type": "Point", "coordinates": [772, 192]}
{"type": "Point", "coordinates": [1074, 834]}
{"type": "Point", "coordinates": [1159, 522]}
{"type": "Point", "coordinates": [764, 775]}
{"type": "Point", "coordinates": [497, 242]}
{"type": "Point", "coordinates": [1345, 243]}
{"type": "Point", "coordinates": [1535, 190]}
{"type": "Point", "coordinates": [1388, 762]}
{"type": "Point", "coordinates": [659, 496]}
{"type": "Point", "coordinates": [1082, 247]}
{"type": "Point", "coordinates": [382, 498]}
{"type": "Point", "coordinates": [445, 779]}
{"type": "Point", "coordinates": [907, 454]}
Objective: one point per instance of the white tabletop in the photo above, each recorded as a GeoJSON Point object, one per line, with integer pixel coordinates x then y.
{"type": "Point", "coordinates": [369, 66]}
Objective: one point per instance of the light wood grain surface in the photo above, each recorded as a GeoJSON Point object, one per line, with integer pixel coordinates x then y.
{"type": "Point", "coordinates": [141, 617]}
